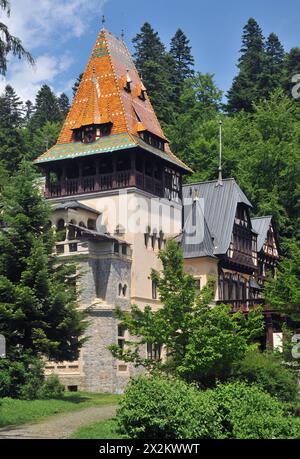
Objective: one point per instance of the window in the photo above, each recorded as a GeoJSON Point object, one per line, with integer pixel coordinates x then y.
{"type": "Point", "coordinates": [197, 284]}
{"type": "Point", "coordinates": [91, 224]}
{"type": "Point", "coordinates": [154, 290]}
{"type": "Point", "coordinates": [116, 247]}
{"type": "Point", "coordinates": [120, 290]}
{"type": "Point", "coordinates": [124, 290]}
{"type": "Point", "coordinates": [124, 249]}
{"type": "Point", "coordinates": [153, 351]}
{"type": "Point", "coordinates": [106, 166]}
{"type": "Point", "coordinates": [121, 337]}
{"type": "Point", "coordinates": [61, 230]}
{"type": "Point", "coordinates": [194, 217]}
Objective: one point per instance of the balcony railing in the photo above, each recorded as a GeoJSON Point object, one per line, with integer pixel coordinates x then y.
{"type": "Point", "coordinates": [243, 305]}
{"type": "Point", "coordinates": [104, 182]}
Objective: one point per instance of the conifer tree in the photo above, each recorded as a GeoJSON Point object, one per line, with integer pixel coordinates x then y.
{"type": "Point", "coordinates": [156, 67]}
{"type": "Point", "coordinates": [246, 85]}
{"type": "Point", "coordinates": [77, 83]}
{"type": "Point", "coordinates": [64, 105]}
{"type": "Point", "coordinates": [38, 301]}
{"type": "Point", "coordinates": [273, 68]}
{"type": "Point", "coordinates": [46, 109]}
{"type": "Point", "coordinates": [180, 51]}
{"type": "Point", "coordinates": [9, 43]}
{"type": "Point", "coordinates": [11, 109]}
{"type": "Point", "coordinates": [29, 110]}
{"type": "Point", "coordinates": [292, 68]}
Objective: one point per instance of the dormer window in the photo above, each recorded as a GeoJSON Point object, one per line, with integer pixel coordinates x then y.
{"type": "Point", "coordinates": [142, 94]}
{"type": "Point", "coordinates": [128, 82]}
{"type": "Point", "coordinates": [89, 134]}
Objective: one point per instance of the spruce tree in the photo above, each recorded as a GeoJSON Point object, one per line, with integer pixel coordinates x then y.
{"type": "Point", "coordinates": [38, 301]}
{"type": "Point", "coordinates": [180, 51]}
{"type": "Point", "coordinates": [247, 84]}
{"type": "Point", "coordinates": [11, 109]}
{"type": "Point", "coordinates": [46, 109]}
{"type": "Point", "coordinates": [76, 84]}
{"type": "Point", "coordinates": [12, 143]}
{"type": "Point", "coordinates": [273, 68]}
{"type": "Point", "coordinates": [29, 110]}
{"type": "Point", "coordinates": [156, 67]}
{"type": "Point", "coordinates": [9, 43]}
{"type": "Point", "coordinates": [64, 105]}
{"type": "Point", "coordinates": [292, 68]}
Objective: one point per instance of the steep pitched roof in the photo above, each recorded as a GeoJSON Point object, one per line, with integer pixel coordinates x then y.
{"type": "Point", "coordinates": [102, 98]}
{"type": "Point", "coordinates": [196, 241]}
{"type": "Point", "coordinates": [219, 204]}
{"type": "Point", "coordinates": [261, 225]}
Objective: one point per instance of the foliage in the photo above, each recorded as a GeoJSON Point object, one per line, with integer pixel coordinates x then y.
{"type": "Point", "coordinates": [47, 109]}
{"type": "Point", "coordinates": [21, 379]}
{"type": "Point", "coordinates": [202, 343]}
{"type": "Point", "coordinates": [164, 408]}
{"type": "Point", "coordinates": [38, 301]}
{"type": "Point", "coordinates": [9, 43]}
{"type": "Point", "coordinates": [99, 430]}
{"type": "Point", "coordinates": [161, 408]}
{"type": "Point", "coordinates": [267, 370]}
{"type": "Point", "coordinates": [283, 292]}
{"type": "Point", "coordinates": [51, 388]}
{"type": "Point", "coordinates": [247, 412]}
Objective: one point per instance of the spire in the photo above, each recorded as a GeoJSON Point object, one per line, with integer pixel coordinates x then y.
{"type": "Point", "coordinates": [103, 21]}
{"type": "Point", "coordinates": [220, 179]}
{"type": "Point", "coordinates": [122, 35]}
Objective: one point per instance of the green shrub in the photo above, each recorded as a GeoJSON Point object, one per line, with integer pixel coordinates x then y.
{"type": "Point", "coordinates": [267, 370]}
{"type": "Point", "coordinates": [161, 408]}
{"type": "Point", "coordinates": [51, 388]}
{"type": "Point", "coordinates": [21, 379]}
{"type": "Point", "coordinates": [250, 413]}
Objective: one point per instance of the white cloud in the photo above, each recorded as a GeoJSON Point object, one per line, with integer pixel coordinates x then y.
{"type": "Point", "coordinates": [27, 80]}
{"type": "Point", "coordinates": [38, 21]}
{"type": "Point", "coordinates": [42, 25]}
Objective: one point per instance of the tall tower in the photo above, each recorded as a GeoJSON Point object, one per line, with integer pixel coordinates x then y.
{"type": "Point", "coordinates": [116, 191]}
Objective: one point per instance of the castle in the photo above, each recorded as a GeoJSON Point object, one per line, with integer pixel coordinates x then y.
{"type": "Point", "coordinates": [117, 195]}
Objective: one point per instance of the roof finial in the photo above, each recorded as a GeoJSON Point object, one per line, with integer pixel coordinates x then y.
{"type": "Point", "coordinates": [220, 179]}
{"type": "Point", "coordinates": [103, 21]}
{"type": "Point", "coordinates": [122, 35]}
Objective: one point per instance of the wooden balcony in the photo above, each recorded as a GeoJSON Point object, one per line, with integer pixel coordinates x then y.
{"type": "Point", "coordinates": [243, 305]}
{"type": "Point", "coordinates": [104, 182]}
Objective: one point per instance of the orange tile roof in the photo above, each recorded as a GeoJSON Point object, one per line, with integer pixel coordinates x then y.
{"type": "Point", "coordinates": [102, 97]}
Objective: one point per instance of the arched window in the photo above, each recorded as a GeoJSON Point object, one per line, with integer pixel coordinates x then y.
{"type": "Point", "coordinates": [61, 230]}
{"type": "Point", "coordinates": [120, 289]}
{"type": "Point", "coordinates": [124, 290]}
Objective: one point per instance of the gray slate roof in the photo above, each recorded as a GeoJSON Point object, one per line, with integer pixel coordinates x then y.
{"type": "Point", "coordinates": [261, 226]}
{"type": "Point", "coordinates": [219, 204]}
{"type": "Point", "coordinates": [73, 205]}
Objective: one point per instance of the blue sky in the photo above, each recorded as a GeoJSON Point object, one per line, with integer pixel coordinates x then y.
{"type": "Point", "coordinates": [61, 33]}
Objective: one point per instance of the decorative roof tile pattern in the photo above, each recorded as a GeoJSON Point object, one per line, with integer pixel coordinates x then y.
{"type": "Point", "coordinates": [103, 97]}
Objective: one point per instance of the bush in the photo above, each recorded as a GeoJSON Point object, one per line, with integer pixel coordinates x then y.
{"type": "Point", "coordinates": [51, 388]}
{"type": "Point", "coordinates": [250, 413]}
{"type": "Point", "coordinates": [20, 379]}
{"type": "Point", "coordinates": [267, 370]}
{"type": "Point", "coordinates": [162, 408]}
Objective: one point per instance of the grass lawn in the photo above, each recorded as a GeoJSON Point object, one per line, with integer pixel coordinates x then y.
{"type": "Point", "coordinates": [103, 430]}
{"type": "Point", "coordinates": [16, 412]}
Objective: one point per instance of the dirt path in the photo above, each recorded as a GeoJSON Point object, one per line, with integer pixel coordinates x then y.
{"type": "Point", "coordinates": [60, 425]}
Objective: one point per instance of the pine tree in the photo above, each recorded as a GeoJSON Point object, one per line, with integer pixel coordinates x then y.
{"type": "Point", "coordinates": [46, 109]}
{"type": "Point", "coordinates": [29, 110]}
{"type": "Point", "coordinates": [76, 84]}
{"type": "Point", "coordinates": [64, 105]}
{"type": "Point", "coordinates": [273, 69]}
{"type": "Point", "coordinates": [246, 85]}
{"type": "Point", "coordinates": [180, 51]}
{"type": "Point", "coordinates": [38, 302]}
{"type": "Point", "coordinates": [9, 43]}
{"type": "Point", "coordinates": [13, 148]}
{"type": "Point", "coordinates": [292, 68]}
{"type": "Point", "coordinates": [156, 67]}
{"type": "Point", "coordinates": [11, 109]}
